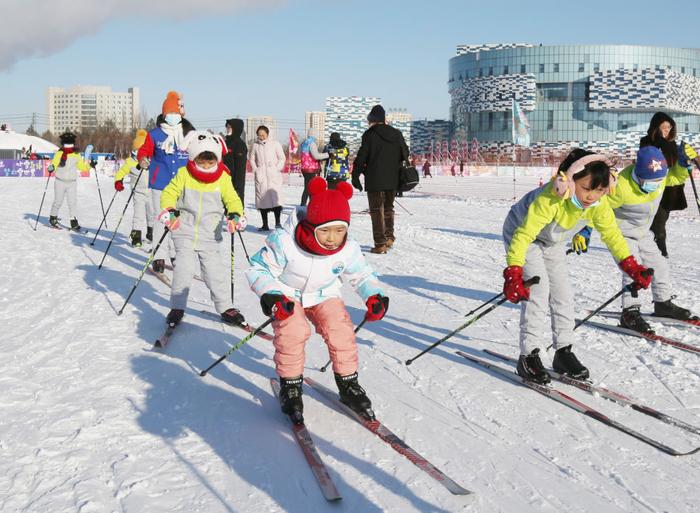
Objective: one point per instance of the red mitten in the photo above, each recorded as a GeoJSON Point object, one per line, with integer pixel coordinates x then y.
{"type": "Point", "coordinates": [513, 288]}
{"type": "Point", "coordinates": [119, 185]}
{"type": "Point", "coordinates": [639, 273]}
{"type": "Point", "coordinates": [377, 306]}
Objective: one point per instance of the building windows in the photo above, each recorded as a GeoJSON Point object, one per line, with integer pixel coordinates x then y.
{"type": "Point", "coordinates": [490, 71]}
{"type": "Point", "coordinates": [635, 67]}
{"type": "Point", "coordinates": [686, 128]}
{"type": "Point", "coordinates": [622, 125]}
{"type": "Point", "coordinates": [621, 66]}
{"type": "Point", "coordinates": [550, 119]}
{"type": "Point", "coordinates": [596, 67]}
{"type": "Point", "coordinates": [590, 126]}
{"type": "Point", "coordinates": [553, 92]}
{"type": "Point", "coordinates": [506, 115]}
{"type": "Point", "coordinates": [490, 120]}
{"type": "Point", "coordinates": [505, 69]}
{"type": "Point", "coordinates": [523, 69]}
{"type": "Point", "coordinates": [581, 67]}
{"type": "Point", "coordinates": [481, 72]}
{"type": "Point", "coordinates": [682, 69]}
{"type": "Point", "coordinates": [541, 68]}
{"type": "Point", "coordinates": [657, 67]}
{"type": "Point", "coordinates": [556, 67]}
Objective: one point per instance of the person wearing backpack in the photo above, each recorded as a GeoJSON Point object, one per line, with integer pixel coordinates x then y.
{"type": "Point", "coordinates": [338, 166]}
{"type": "Point", "coordinates": [379, 159]}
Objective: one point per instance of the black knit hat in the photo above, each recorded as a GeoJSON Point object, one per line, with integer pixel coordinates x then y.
{"type": "Point", "coordinates": [67, 137]}
{"type": "Point", "coordinates": [377, 114]}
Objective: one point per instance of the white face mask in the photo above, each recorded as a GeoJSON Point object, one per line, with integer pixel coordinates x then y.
{"type": "Point", "coordinates": [173, 119]}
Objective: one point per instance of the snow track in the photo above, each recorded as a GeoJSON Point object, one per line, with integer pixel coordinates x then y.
{"type": "Point", "coordinates": [93, 421]}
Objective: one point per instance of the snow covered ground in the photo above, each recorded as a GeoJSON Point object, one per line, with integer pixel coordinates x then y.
{"type": "Point", "coordinates": [94, 421]}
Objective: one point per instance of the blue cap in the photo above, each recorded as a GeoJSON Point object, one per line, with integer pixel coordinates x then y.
{"type": "Point", "coordinates": [651, 164]}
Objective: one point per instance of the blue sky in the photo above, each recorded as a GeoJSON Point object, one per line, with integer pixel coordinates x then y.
{"type": "Point", "coordinates": [283, 60]}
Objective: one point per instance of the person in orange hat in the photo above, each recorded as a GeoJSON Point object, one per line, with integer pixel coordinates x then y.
{"type": "Point", "coordinates": [162, 154]}
{"type": "Point", "coordinates": [298, 275]}
{"type": "Point", "coordinates": [138, 180]}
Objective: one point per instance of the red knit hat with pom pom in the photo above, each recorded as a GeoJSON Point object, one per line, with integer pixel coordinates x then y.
{"type": "Point", "coordinates": [328, 205]}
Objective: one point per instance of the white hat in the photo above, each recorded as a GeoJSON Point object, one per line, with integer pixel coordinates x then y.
{"type": "Point", "coordinates": [199, 141]}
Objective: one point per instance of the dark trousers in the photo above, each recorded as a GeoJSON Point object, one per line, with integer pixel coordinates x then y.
{"type": "Point", "coordinates": [307, 178]}
{"type": "Point", "coordinates": [381, 211]}
{"type": "Point", "coordinates": [265, 211]}
{"type": "Point", "coordinates": [659, 224]}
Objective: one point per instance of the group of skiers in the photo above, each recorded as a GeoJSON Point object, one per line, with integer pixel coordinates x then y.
{"type": "Point", "coordinates": [621, 207]}
{"type": "Point", "coordinates": [193, 177]}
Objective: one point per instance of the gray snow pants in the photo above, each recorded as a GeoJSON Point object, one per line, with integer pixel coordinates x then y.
{"type": "Point", "coordinates": [647, 253]}
{"type": "Point", "coordinates": [214, 273]}
{"type": "Point", "coordinates": [159, 228]}
{"type": "Point", "coordinates": [551, 296]}
{"type": "Point", "coordinates": [144, 214]}
{"type": "Point", "coordinates": [61, 189]}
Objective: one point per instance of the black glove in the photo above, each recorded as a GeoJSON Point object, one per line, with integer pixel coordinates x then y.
{"type": "Point", "coordinates": [93, 164]}
{"type": "Point", "coordinates": [356, 183]}
{"type": "Point", "coordinates": [278, 305]}
{"type": "Point", "coordinates": [50, 169]}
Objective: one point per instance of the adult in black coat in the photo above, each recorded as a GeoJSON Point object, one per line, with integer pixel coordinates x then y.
{"type": "Point", "coordinates": [237, 157]}
{"type": "Point", "coordinates": [379, 159]}
{"type": "Point", "coordinates": [662, 134]}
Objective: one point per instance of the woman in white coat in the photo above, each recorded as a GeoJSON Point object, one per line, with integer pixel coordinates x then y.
{"type": "Point", "coordinates": [267, 161]}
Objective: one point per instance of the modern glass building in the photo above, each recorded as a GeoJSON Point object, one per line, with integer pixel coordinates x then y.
{"type": "Point", "coordinates": [596, 96]}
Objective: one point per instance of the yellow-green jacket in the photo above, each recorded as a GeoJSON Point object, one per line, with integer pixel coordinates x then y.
{"type": "Point", "coordinates": [635, 209]}
{"type": "Point", "coordinates": [70, 171]}
{"type": "Point", "coordinates": [129, 169]}
{"type": "Point", "coordinates": [200, 204]}
{"type": "Point", "coordinates": [544, 217]}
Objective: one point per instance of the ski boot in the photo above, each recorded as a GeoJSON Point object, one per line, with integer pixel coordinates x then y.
{"type": "Point", "coordinates": [530, 367]}
{"type": "Point", "coordinates": [149, 234]}
{"type": "Point", "coordinates": [672, 311]}
{"type": "Point", "coordinates": [233, 317]}
{"type": "Point", "coordinates": [290, 398]}
{"type": "Point", "coordinates": [53, 221]}
{"type": "Point", "coordinates": [354, 396]}
{"type": "Point", "coordinates": [633, 320]}
{"type": "Point", "coordinates": [159, 266]}
{"type": "Point", "coordinates": [565, 362]}
{"type": "Point", "coordinates": [136, 238]}
{"type": "Point", "coordinates": [174, 317]}
{"type": "Point", "coordinates": [74, 226]}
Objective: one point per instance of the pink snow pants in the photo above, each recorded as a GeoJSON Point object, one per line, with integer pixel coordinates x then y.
{"type": "Point", "coordinates": [331, 321]}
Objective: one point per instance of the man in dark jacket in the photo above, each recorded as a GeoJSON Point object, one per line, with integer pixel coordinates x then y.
{"type": "Point", "coordinates": [382, 150]}
{"type": "Point", "coordinates": [237, 157]}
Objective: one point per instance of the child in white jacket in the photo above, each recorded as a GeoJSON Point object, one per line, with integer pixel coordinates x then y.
{"type": "Point", "coordinates": [297, 275]}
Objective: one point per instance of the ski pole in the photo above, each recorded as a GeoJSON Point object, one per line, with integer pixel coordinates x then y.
{"type": "Point", "coordinates": [532, 281]}
{"type": "Point", "coordinates": [126, 205]}
{"type": "Point", "coordinates": [237, 346]}
{"type": "Point", "coordinates": [46, 188]}
{"type": "Point", "coordinates": [399, 204]}
{"type": "Point", "coordinates": [627, 288]}
{"type": "Point", "coordinates": [323, 369]}
{"type": "Point", "coordinates": [494, 298]}
{"type": "Point", "coordinates": [99, 192]}
{"type": "Point", "coordinates": [695, 191]}
{"type": "Point", "coordinates": [244, 248]}
{"type": "Point", "coordinates": [104, 218]}
{"type": "Point", "coordinates": [143, 271]}
{"type": "Point", "coordinates": [233, 265]}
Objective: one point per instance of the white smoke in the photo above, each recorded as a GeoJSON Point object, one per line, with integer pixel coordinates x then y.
{"type": "Point", "coordinates": [38, 28]}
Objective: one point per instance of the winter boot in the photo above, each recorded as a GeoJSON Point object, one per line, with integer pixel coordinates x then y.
{"type": "Point", "coordinates": [530, 367]}
{"type": "Point", "coordinates": [233, 317]}
{"type": "Point", "coordinates": [53, 221]}
{"type": "Point", "coordinates": [389, 243]}
{"type": "Point", "coordinates": [174, 317]}
{"type": "Point", "coordinates": [379, 250]}
{"type": "Point", "coordinates": [136, 238]}
{"type": "Point", "coordinates": [565, 362]}
{"type": "Point", "coordinates": [633, 320]}
{"type": "Point", "coordinates": [668, 309]}
{"type": "Point", "coordinates": [149, 234]}
{"type": "Point", "coordinates": [290, 398]}
{"type": "Point", "coordinates": [353, 395]}
{"type": "Point", "coordinates": [74, 225]}
{"type": "Point", "coordinates": [159, 266]}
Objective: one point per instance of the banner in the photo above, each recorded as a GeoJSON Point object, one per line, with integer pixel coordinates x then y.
{"type": "Point", "coordinates": [521, 126]}
{"type": "Point", "coordinates": [294, 159]}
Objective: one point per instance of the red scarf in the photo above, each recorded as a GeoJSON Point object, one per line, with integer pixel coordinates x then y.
{"type": "Point", "coordinates": [304, 236]}
{"type": "Point", "coordinates": [64, 155]}
{"type": "Point", "coordinates": [206, 177]}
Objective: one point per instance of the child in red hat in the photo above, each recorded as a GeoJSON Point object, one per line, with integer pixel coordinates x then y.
{"type": "Point", "coordinates": [298, 275]}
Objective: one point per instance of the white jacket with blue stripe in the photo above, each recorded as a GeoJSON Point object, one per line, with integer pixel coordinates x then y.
{"type": "Point", "coordinates": [281, 266]}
